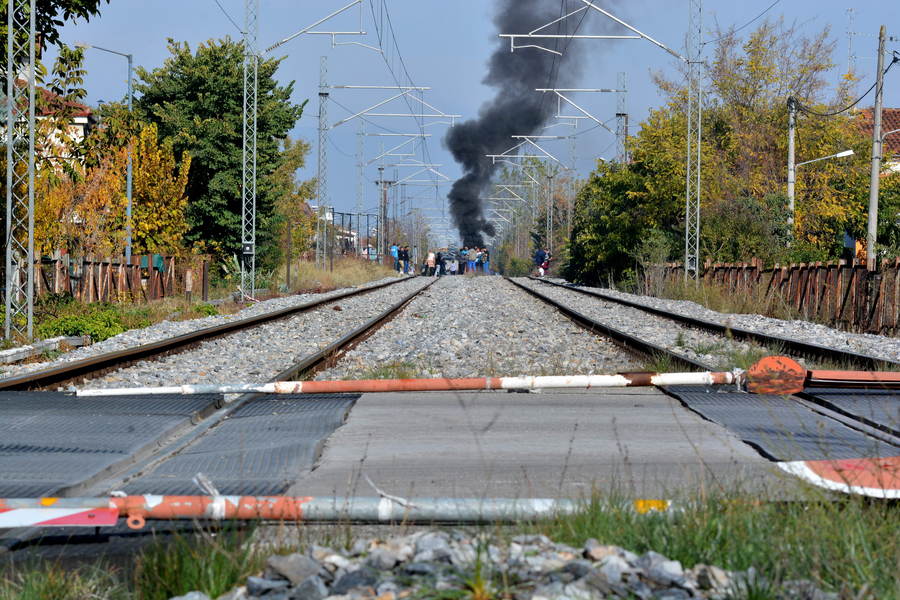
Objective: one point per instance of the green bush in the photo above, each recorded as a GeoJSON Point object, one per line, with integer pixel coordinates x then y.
{"type": "Point", "coordinates": [518, 267]}
{"type": "Point", "coordinates": [99, 324]}
{"type": "Point", "coordinates": [207, 310]}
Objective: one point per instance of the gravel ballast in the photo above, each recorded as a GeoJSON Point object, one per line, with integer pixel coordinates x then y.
{"type": "Point", "coordinates": [713, 350]}
{"type": "Point", "coordinates": [258, 354]}
{"type": "Point", "coordinates": [480, 326]}
{"type": "Point", "coordinates": [879, 346]}
{"type": "Point", "coordinates": [167, 329]}
{"type": "Point", "coordinates": [438, 564]}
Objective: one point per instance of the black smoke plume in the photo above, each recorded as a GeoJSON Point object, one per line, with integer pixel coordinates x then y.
{"type": "Point", "coordinates": [517, 109]}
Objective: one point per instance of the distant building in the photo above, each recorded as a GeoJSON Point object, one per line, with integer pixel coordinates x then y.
{"type": "Point", "coordinates": [890, 121]}
{"type": "Point", "coordinates": [80, 122]}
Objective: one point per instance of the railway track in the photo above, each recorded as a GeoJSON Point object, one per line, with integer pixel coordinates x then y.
{"type": "Point", "coordinates": [882, 429]}
{"type": "Point", "coordinates": [184, 436]}
{"type": "Point", "coordinates": [80, 370]}
{"type": "Point", "coordinates": [794, 347]}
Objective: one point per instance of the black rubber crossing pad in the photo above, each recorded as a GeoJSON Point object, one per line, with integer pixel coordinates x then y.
{"type": "Point", "coordinates": [260, 449]}
{"type": "Point", "coordinates": [51, 440]}
{"type": "Point", "coordinates": [880, 407]}
{"type": "Point", "coordinates": [781, 428]}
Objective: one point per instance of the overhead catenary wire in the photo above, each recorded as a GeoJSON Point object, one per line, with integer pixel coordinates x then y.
{"type": "Point", "coordinates": [744, 26]}
{"type": "Point", "coordinates": [228, 16]}
{"type": "Point", "coordinates": [811, 111]}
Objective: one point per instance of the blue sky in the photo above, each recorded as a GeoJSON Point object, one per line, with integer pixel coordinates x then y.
{"type": "Point", "coordinates": [445, 45]}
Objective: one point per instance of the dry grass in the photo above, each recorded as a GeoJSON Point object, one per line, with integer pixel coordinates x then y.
{"type": "Point", "coordinates": [347, 272]}
{"type": "Point", "coordinates": [724, 299]}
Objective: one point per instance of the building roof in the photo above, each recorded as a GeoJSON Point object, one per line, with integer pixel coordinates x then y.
{"type": "Point", "coordinates": [49, 99]}
{"type": "Point", "coordinates": [890, 120]}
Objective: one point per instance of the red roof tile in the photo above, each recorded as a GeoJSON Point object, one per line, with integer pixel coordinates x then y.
{"type": "Point", "coordinates": [890, 120]}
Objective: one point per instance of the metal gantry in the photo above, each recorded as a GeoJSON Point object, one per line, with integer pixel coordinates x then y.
{"type": "Point", "coordinates": [248, 156]}
{"type": "Point", "coordinates": [322, 165]}
{"type": "Point", "coordinates": [694, 108]}
{"type": "Point", "coordinates": [694, 138]}
{"type": "Point", "coordinates": [20, 65]}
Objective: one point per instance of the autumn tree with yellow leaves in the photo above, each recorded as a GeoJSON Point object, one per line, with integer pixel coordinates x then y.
{"type": "Point", "coordinates": [744, 155]}
{"type": "Point", "coordinates": [83, 209]}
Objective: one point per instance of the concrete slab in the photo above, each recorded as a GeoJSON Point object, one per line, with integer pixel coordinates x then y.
{"type": "Point", "coordinates": [637, 442]}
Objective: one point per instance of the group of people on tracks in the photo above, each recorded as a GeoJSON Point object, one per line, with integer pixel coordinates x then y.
{"type": "Point", "coordinates": [450, 261]}
{"type": "Point", "coordinates": [400, 254]}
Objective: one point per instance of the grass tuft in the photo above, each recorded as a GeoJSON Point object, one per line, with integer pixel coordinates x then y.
{"type": "Point", "coordinates": [212, 561]}
{"type": "Point", "coordinates": [842, 544]}
{"type": "Point", "coordinates": [52, 582]}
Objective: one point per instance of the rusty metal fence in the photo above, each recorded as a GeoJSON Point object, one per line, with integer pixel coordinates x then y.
{"type": "Point", "coordinates": [842, 294]}
{"type": "Point", "coordinates": [140, 279]}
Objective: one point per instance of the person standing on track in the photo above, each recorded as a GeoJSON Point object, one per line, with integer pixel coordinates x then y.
{"type": "Point", "coordinates": [539, 257]}
{"type": "Point", "coordinates": [395, 252]}
{"type": "Point", "coordinates": [486, 261]}
{"type": "Point", "coordinates": [403, 255]}
{"type": "Point", "coordinates": [429, 262]}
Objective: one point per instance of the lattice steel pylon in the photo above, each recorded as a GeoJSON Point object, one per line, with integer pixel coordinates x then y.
{"type": "Point", "coordinates": [248, 168]}
{"type": "Point", "coordinates": [322, 169]}
{"type": "Point", "coordinates": [694, 137]}
{"type": "Point", "coordinates": [20, 61]}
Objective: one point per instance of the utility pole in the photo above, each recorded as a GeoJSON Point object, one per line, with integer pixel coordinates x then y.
{"type": "Point", "coordinates": [383, 243]}
{"type": "Point", "coordinates": [621, 119]}
{"type": "Point", "coordinates": [549, 212]}
{"type": "Point", "coordinates": [792, 169]}
{"type": "Point", "coordinates": [877, 143]}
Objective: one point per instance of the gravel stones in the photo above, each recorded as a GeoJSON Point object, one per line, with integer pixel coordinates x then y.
{"type": "Point", "coordinates": [883, 347]}
{"type": "Point", "coordinates": [256, 355]}
{"type": "Point", "coordinates": [527, 568]}
{"type": "Point", "coordinates": [167, 329]}
{"type": "Point", "coordinates": [713, 350]}
{"type": "Point", "coordinates": [480, 326]}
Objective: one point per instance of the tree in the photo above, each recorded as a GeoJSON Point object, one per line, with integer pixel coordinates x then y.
{"type": "Point", "coordinates": [159, 199]}
{"type": "Point", "coordinates": [195, 99]}
{"type": "Point", "coordinates": [744, 155]}
{"type": "Point", "coordinates": [296, 222]}
{"type": "Point", "coordinates": [50, 17]}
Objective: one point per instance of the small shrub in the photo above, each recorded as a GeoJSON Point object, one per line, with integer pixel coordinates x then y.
{"type": "Point", "coordinates": [207, 310]}
{"type": "Point", "coordinates": [100, 325]}
{"type": "Point", "coordinates": [518, 267]}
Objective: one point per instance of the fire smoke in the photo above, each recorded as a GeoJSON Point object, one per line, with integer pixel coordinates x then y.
{"type": "Point", "coordinates": [516, 109]}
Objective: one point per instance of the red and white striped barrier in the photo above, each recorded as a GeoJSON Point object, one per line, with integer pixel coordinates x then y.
{"type": "Point", "coordinates": [873, 477]}
{"type": "Point", "coordinates": [137, 510]}
{"type": "Point", "coordinates": [435, 384]}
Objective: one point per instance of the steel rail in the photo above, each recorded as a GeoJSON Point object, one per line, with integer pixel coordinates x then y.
{"type": "Point", "coordinates": [797, 347]}
{"type": "Point", "coordinates": [806, 398]}
{"type": "Point", "coordinates": [155, 452]}
{"type": "Point", "coordinates": [627, 341]}
{"type": "Point", "coordinates": [96, 365]}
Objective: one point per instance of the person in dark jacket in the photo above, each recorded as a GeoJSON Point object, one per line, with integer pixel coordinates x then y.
{"type": "Point", "coordinates": [403, 255]}
{"type": "Point", "coordinates": [539, 257]}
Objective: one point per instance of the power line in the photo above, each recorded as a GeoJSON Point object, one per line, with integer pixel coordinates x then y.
{"type": "Point", "coordinates": [745, 25]}
{"type": "Point", "coordinates": [846, 108]}
{"type": "Point", "coordinates": [369, 121]}
{"type": "Point", "coordinates": [225, 12]}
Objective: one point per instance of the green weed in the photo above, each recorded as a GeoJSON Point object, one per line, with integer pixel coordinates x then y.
{"type": "Point", "coordinates": [212, 561]}
{"type": "Point", "coordinates": [843, 544]}
{"type": "Point", "coordinates": [52, 582]}
{"type": "Point", "coordinates": [391, 370]}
